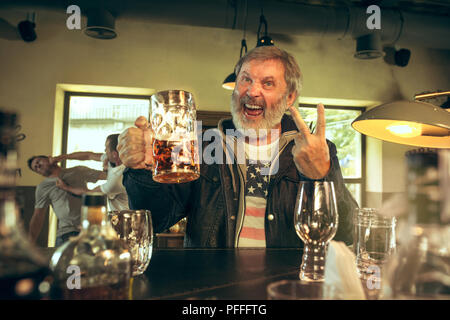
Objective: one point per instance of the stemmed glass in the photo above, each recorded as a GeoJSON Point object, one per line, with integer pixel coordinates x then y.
{"type": "Point", "coordinates": [316, 222]}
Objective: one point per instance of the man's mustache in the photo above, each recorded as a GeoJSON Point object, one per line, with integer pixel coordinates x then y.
{"type": "Point", "coordinates": [248, 100]}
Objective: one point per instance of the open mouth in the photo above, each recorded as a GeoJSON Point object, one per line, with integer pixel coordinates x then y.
{"type": "Point", "coordinates": [253, 110]}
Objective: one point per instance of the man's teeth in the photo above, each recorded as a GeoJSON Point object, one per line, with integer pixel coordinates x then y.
{"type": "Point", "coordinates": [253, 107]}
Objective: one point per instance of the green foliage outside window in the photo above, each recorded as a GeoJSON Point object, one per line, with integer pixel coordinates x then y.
{"type": "Point", "coordinates": [347, 140]}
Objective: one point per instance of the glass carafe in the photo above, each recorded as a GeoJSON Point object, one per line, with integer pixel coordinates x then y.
{"type": "Point", "coordinates": [23, 270]}
{"type": "Point", "coordinates": [95, 264]}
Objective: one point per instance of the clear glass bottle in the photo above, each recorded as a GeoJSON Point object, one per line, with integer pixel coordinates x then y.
{"type": "Point", "coordinates": [96, 264]}
{"type": "Point", "coordinates": [23, 270]}
{"type": "Point", "coordinates": [421, 267]}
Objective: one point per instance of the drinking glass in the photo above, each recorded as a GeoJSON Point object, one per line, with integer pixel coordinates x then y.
{"type": "Point", "coordinates": [373, 243]}
{"type": "Point", "coordinates": [174, 137]}
{"type": "Point", "coordinates": [316, 222]}
{"type": "Point", "coordinates": [135, 228]}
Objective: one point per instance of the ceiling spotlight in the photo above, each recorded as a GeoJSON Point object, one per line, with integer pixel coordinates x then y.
{"type": "Point", "coordinates": [369, 47]}
{"type": "Point", "coordinates": [402, 57]}
{"type": "Point", "coordinates": [100, 24]}
{"type": "Point", "coordinates": [26, 28]}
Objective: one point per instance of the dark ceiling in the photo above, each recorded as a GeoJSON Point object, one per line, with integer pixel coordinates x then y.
{"type": "Point", "coordinates": [121, 7]}
{"type": "Point", "coordinates": [429, 18]}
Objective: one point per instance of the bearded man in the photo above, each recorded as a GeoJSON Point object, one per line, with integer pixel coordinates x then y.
{"type": "Point", "coordinates": [240, 204]}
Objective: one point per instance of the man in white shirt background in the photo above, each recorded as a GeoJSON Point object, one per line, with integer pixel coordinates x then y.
{"type": "Point", "coordinates": [113, 188]}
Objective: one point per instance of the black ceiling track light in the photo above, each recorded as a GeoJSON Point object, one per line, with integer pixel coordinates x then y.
{"type": "Point", "coordinates": [26, 28]}
{"type": "Point", "coordinates": [100, 24]}
{"type": "Point", "coordinates": [263, 40]}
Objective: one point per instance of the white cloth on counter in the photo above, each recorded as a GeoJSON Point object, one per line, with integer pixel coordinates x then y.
{"type": "Point", "coordinates": [341, 273]}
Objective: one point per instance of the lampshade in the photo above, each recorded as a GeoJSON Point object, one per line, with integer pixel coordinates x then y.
{"type": "Point", "coordinates": [265, 41]}
{"type": "Point", "coordinates": [229, 82]}
{"type": "Point", "coordinates": [406, 122]}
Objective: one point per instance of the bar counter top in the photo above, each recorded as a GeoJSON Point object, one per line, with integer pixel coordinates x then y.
{"type": "Point", "coordinates": [213, 274]}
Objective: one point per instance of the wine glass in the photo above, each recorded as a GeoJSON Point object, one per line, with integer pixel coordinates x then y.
{"type": "Point", "coordinates": [316, 222]}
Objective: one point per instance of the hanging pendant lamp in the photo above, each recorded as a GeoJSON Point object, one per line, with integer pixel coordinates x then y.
{"type": "Point", "coordinates": [230, 80]}
{"type": "Point", "coordinates": [411, 123]}
{"type": "Point", "coordinates": [263, 40]}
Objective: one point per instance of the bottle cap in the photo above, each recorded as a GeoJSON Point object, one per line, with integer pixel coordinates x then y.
{"type": "Point", "coordinates": [94, 199]}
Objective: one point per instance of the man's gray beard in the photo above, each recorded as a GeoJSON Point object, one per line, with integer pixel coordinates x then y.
{"type": "Point", "coordinates": [271, 116]}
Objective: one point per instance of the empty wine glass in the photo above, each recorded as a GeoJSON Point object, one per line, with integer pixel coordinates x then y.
{"type": "Point", "coordinates": [316, 222]}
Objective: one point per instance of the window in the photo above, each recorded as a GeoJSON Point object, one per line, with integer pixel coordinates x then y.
{"type": "Point", "coordinates": [90, 118]}
{"type": "Point", "coordinates": [350, 144]}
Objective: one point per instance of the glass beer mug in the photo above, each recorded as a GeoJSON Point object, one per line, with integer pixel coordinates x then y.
{"type": "Point", "coordinates": [174, 137]}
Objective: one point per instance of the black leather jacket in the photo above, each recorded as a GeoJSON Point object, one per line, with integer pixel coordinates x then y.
{"type": "Point", "coordinates": [214, 203]}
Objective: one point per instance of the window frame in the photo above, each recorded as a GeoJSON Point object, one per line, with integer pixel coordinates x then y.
{"type": "Point", "coordinates": [69, 94]}
{"type": "Point", "coordinates": [361, 181]}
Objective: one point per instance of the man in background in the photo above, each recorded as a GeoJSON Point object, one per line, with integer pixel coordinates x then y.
{"type": "Point", "coordinates": [67, 206]}
{"type": "Point", "coordinates": [113, 188]}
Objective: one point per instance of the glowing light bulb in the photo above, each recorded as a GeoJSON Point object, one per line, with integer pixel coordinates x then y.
{"type": "Point", "coordinates": [228, 85]}
{"type": "Point", "coordinates": [405, 129]}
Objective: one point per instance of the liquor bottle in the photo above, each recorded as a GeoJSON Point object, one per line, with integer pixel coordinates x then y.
{"type": "Point", "coordinates": [96, 264]}
{"type": "Point", "coordinates": [421, 266]}
{"type": "Point", "coordinates": [23, 270]}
